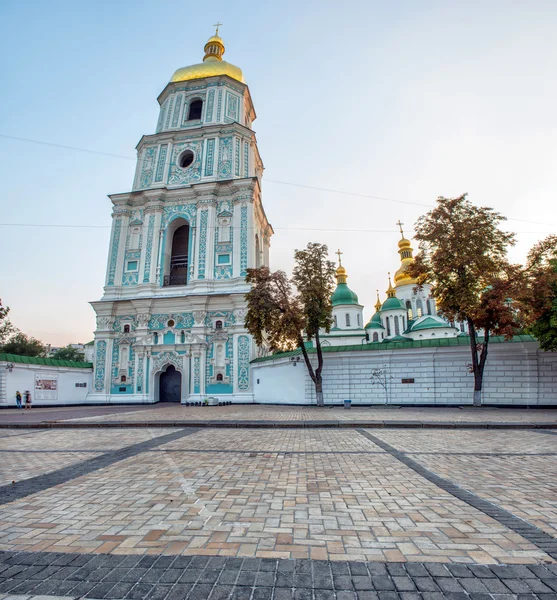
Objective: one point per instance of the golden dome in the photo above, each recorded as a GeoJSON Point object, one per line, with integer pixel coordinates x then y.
{"type": "Point", "coordinates": [212, 64]}
{"type": "Point", "coordinates": [406, 259]}
{"type": "Point", "coordinates": [341, 274]}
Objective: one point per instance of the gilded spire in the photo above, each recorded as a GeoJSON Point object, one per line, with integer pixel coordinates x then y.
{"type": "Point", "coordinates": [406, 258]}
{"type": "Point", "coordinates": [341, 271]}
{"type": "Point", "coordinates": [378, 303]}
{"type": "Point", "coordinates": [391, 292]}
{"type": "Point", "coordinates": [214, 48]}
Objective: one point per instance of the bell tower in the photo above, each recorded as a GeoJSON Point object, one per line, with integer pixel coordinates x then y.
{"type": "Point", "coordinates": [180, 245]}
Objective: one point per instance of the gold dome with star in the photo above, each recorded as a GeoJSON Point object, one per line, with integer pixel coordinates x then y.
{"type": "Point", "coordinates": [212, 64]}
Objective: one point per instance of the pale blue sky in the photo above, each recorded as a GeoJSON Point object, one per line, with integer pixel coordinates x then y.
{"type": "Point", "coordinates": [405, 100]}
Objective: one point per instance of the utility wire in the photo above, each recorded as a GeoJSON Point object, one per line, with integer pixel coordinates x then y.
{"type": "Point", "coordinates": [311, 187]}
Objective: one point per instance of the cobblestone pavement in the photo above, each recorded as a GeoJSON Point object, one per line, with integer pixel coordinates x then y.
{"type": "Point", "coordinates": [301, 514]}
{"type": "Point", "coordinates": [172, 412]}
{"type": "Point", "coordinates": [42, 575]}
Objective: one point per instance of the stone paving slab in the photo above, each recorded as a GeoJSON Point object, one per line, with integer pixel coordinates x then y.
{"type": "Point", "coordinates": [21, 465]}
{"type": "Point", "coordinates": [267, 440]}
{"type": "Point", "coordinates": [525, 485]}
{"type": "Point", "coordinates": [87, 576]}
{"type": "Point", "coordinates": [380, 414]}
{"type": "Point", "coordinates": [469, 441]}
{"type": "Point", "coordinates": [262, 505]}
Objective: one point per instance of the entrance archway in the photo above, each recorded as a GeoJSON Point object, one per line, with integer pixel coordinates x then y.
{"type": "Point", "coordinates": [170, 385]}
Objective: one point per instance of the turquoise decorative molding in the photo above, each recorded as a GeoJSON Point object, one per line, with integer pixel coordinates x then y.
{"type": "Point", "coordinates": [192, 174]}
{"type": "Point", "coordinates": [181, 321]}
{"type": "Point", "coordinates": [118, 322]}
{"type": "Point", "coordinates": [148, 167]}
{"type": "Point", "coordinates": [231, 107]}
{"type": "Point", "coordinates": [237, 158]}
{"type": "Point", "coordinates": [161, 115]}
{"type": "Point", "coordinates": [243, 241]}
{"type": "Point", "coordinates": [177, 107]}
{"type": "Point", "coordinates": [100, 366]}
{"type": "Point", "coordinates": [225, 158]}
{"type": "Point", "coordinates": [114, 251]}
{"type": "Point", "coordinates": [246, 159]}
{"type": "Point", "coordinates": [202, 244]}
{"type": "Point", "coordinates": [161, 162]}
{"type": "Point", "coordinates": [209, 158]}
{"type": "Point", "coordinates": [224, 271]}
{"type": "Point", "coordinates": [139, 380]}
{"type": "Point", "coordinates": [149, 249]}
{"type": "Point", "coordinates": [209, 109]}
{"type": "Point", "coordinates": [169, 112]}
{"type": "Point", "coordinates": [196, 375]}
{"type": "Point", "coordinates": [227, 316]}
{"type": "Point", "coordinates": [187, 211]}
{"type": "Point", "coordinates": [243, 362]}
{"type": "Point", "coordinates": [219, 106]}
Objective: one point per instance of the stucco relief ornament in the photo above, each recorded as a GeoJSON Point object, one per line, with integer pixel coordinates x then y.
{"type": "Point", "coordinates": [105, 323]}
{"type": "Point", "coordinates": [168, 358]}
{"type": "Point", "coordinates": [240, 314]}
{"type": "Point", "coordinates": [199, 316]}
{"type": "Point", "coordinates": [142, 319]}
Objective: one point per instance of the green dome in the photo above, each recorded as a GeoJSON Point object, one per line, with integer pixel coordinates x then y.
{"type": "Point", "coordinates": [392, 304]}
{"type": "Point", "coordinates": [375, 322]}
{"type": "Point", "coordinates": [343, 295]}
{"type": "Point", "coordinates": [429, 322]}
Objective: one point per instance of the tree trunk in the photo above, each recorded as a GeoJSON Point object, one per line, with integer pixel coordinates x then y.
{"type": "Point", "coordinates": [319, 391]}
{"type": "Point", "coordinates": [478, 364]}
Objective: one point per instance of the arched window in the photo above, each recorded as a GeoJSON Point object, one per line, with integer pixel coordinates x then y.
{"type": "Point", "coordinates": [409, 309]}
{"type": "Point", "coordinates": [178, 267]}
{"type": "Point", "coordinates": [462, 327]}
{"type": "Point", "coordinates": [155, 338]}
{"type": "Point", "coordinates": [388, 319]}
{"type": "Point", "coordinates": [403, 323]}
{"type": "Point", "coordinates": [126, 328]}
{"type": "Point", "coordinates": [182, 338]}
{"type": "Point", "coordinates": [375, 337]}
{"type": "Point", "coordinates": [419, 308]}
{"type": "Point", "coordinates": [428, 306]}
{"type": "Point", "coordinates": [257, 252]}
{"type": "Point", "coordinates": [397, 326]}
{"type": "Point", "coordinates": [347, 319]}
{"type": "Point", "coordinates": [219, 376]}
{"type": "Point", "coordinates": [195, 109]}
{"type": "Point", "coordinates": [218, 325]}
{"type": "Point", "coordinates": [335, 324]}
{"type": "Point", "coordinates": [358, 319]}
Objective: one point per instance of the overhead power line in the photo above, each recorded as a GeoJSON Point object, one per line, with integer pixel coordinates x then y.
{"type": "Point", "coordinates": [299, 185]}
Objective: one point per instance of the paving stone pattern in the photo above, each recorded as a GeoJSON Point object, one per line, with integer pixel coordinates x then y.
{"type": "Point", "coordinates": [292, 414]}
{"type": "Point", "coordinates": [280, 504]}
{"type": "Point", "coordinates": [22, 488]}
{"type": "Point", "coordinates": [219, 578]}
{"type": "Point", "coordinates": [534, 534]}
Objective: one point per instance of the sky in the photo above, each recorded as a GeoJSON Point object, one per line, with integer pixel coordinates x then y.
{"type": "Point", "coordinates": [383, 106]}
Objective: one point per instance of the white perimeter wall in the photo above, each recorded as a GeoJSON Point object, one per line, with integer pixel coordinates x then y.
{"type": "Point", "coordinates": [22, 378]}
{"type": "Point", "coordinates": [516, 373]}
{"type": "Point", "coordinates": [280, 382]}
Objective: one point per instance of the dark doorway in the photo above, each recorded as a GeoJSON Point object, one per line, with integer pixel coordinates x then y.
{"type": "Point", "coordinates": [179, 258]}
{"type": "Point", "coordinates": [170, 385]}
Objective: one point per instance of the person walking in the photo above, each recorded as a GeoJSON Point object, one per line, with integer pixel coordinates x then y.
{"type": "Point", "coordinates": [18, 399]}
{"type": "Point", "coordinates": [27, 400]}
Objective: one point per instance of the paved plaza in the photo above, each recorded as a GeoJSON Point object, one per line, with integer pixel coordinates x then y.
{"type": "Point", "coordinates": [301, 513]}
{"type": "Point", "coordinates": [272, 415]}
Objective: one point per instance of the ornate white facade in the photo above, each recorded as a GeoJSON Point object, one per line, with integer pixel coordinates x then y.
{"type": "Point", "coordinates": [170, 324]}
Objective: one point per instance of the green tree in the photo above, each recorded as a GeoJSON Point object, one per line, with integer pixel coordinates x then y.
{"type": "Point", "coordinates": [24, 346]}
{"type": "Point", "coordinates": [6, 328]}
{"type": "Point", "coordinates": [539, 295]}
{"type": "Point", "coordinates": [283, 314]}
{"type": "Point", "coordinates": [463, 255]}
{"type": "Point", "coordinates": [69, 353]}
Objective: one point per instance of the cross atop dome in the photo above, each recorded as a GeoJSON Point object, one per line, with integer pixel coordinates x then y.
{"type": "Point", "coordinates": [400, 224]}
